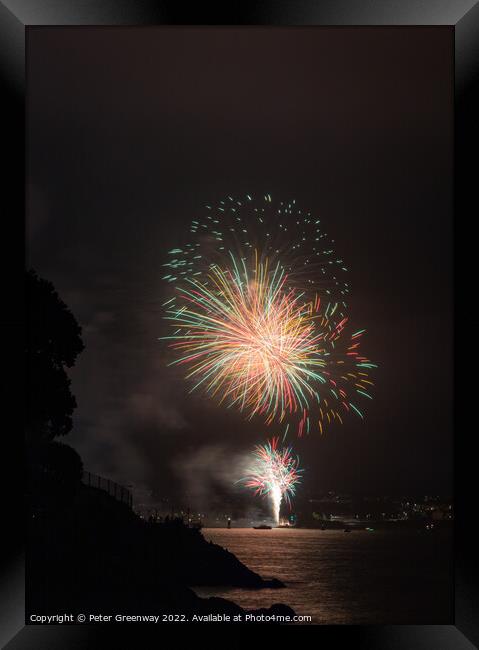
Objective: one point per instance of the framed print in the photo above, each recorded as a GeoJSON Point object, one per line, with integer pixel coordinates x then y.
{"type": "Point", "coordinates": [241, 353]}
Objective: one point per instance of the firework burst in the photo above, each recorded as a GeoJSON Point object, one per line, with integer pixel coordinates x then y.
{"type": "Point", "coordinates": [258, 312]}
{"type": "Point", "coordinates": [254, 343]}
{"type": "Point", "coordinates": [274, 474]}
{"type": "Point", "coordinates": [249, 340]}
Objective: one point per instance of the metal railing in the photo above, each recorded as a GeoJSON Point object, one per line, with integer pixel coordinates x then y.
{"type": "Point", "coordinates": [115, 490]}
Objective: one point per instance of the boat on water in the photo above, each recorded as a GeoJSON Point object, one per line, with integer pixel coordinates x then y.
{"type": "Point", "coordinates": [262, 527]}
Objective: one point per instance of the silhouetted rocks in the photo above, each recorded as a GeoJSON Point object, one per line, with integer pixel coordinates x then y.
{"type": "Point", "coordinates": [274, 583]}
{"type": "Point", "coordinates": [221, 606]}
{"type": "Point", "coordinates": [278, 609]}
{"type": "Point", "coordinates": [207, 564]}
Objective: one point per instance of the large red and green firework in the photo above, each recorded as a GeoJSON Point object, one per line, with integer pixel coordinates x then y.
{"type": "Point", "coordinates": [258, 330]}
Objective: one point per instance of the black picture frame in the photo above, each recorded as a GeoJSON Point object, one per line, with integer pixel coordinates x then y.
{"type": "Point", "coordinates": [16, 16]}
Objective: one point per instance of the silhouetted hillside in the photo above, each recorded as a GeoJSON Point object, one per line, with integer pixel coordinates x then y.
{"type": "Point", "coordinates": [94, 553]}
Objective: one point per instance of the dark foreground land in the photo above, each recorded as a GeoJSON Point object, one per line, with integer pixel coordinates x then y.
{"type": "Point", "coordinates": [90, 553]}
{"type": "Point", "coordinates": [87, 552]}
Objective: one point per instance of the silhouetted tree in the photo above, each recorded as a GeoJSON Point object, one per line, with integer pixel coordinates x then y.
{"type": "Point", "coordinates": [53, 343]}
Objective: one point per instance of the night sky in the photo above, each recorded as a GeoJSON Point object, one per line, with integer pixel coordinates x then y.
{"type": "Point", "coordinates": [131, 131]}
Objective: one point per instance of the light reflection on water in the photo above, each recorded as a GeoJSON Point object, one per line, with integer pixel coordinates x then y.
{"type": "Point", "coordinates": [385, 577]}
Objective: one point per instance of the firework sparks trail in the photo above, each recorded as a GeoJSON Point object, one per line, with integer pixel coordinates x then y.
{"type": "Point", "coordinates": [258, 341]}
{"type": "Point", "coordinates": [274, 473]}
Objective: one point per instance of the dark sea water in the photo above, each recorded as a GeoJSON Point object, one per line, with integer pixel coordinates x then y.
{"type": "Point", "coordinates": [380, 577]}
